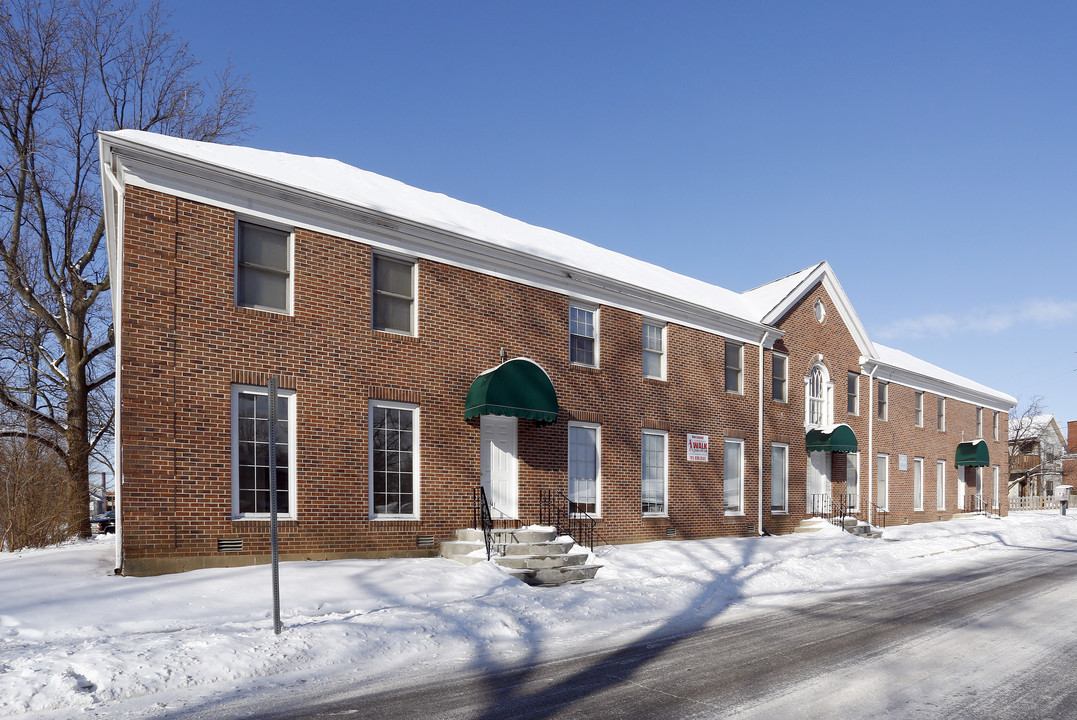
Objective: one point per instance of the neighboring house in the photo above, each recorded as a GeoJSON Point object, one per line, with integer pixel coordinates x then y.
{"type": "Point", "coordinates": [424, 347]}
{"type": "Point", "coordinates": [1069, 462]}
{"type": "Point", "coordinates": [1037, 447]}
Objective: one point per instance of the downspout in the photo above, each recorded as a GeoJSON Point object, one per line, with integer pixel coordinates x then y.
{"type": "Point", "coordinates": [759, 498]}
{"type": "Point", "coordinates": [114, 194]}
{"type": "Point", "coordinates": [871, 430]}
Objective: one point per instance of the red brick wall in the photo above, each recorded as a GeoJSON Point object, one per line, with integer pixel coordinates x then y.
{"type": "Point", "coordinates": [184, 343]}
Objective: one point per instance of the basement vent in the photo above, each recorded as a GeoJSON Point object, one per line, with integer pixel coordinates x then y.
{"type": "Point", "coordinates": [671, 532]}
{"type": "Point", "coordinates": [424, 541]}
{"type": "Point", "coordinates": [229, 545]}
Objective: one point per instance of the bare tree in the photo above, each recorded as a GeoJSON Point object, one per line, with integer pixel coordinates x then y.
{"type": "Point", "coordinates": [1032, 458]}
{"type": "Point", "coordinates": [69, 68]}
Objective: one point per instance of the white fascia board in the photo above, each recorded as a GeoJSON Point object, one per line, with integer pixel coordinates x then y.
{"type": "Point", "coordinates": [919, 381]}
{"type": "Point", "coordinates": [825, 274]}
{"type": "Point", "coordinates": [258, 198]}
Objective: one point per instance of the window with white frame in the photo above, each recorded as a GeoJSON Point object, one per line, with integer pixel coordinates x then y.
{"type": "Point", "coordinates": [394, 459]}
{"type": "Point", "coordinates": [994, 480]}
{"type": "Point", "coordinates": [263, 268]}
{"type": "Point", "coordinates": [654, 483]}
{"type": "Point", "coordinates": [940, 484]}
{"type": "Point", "coordinates": [853, 401]}
{"type": "Point", "coordinates": [852, 480]}
{"type": "Point", "coordinates": [734, 367]}
{"type": "Point", "coordinates": [994, 425]}
{"type": "Point", "coordinates": [779, 377]}
{"type": "Point", "coordinates": [393, 299]}
{"type": "Point", "coordinates": [980, 482]}
{"type": "Point", "coordinates": [250, 452]}
{"type": "Point", "coordinates": [779, 478]}
{"type": "Point", "coordinates": [654, 350]}
{"type": "Point", "coordinates": [941, 421]}
{"type": "Point", "coordinates": [882, 474]}
{"type": "Point", "coordinates": [582, 336]}
{"type": "Point", "coordinates": [918, 409]}
{"type": "Point", "coordinates": [733, 480]}
{"type": "Point", "coordinates": [584, 468]}
{"type": "Point", "coordinates": [979, 422]}
{"type": "Point", "coordinates": [884, 393]}
{"type": "Point", "coordinates": [816, 397]}
{"type": "Point", "coordinates": [917, 483]}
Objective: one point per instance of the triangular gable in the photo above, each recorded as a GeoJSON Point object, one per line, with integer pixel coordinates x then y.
{"type": "Point", "coordinates": [773, 300]}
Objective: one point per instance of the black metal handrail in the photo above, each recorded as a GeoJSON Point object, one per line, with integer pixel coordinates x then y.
{"type": "Point", "coordinates": [480, 516]}
{"type": "Point", "coordinates": [835, 508]}
{"type": "Point", "coordinates": [880, 512]}
{"type": "Point", "coordinates": [556, 509]}
{"type": "Point", "coordinates": [979, 504]}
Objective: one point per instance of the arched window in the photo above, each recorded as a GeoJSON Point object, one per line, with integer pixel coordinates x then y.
{"type": "Point", "coordinates": [816, 397]}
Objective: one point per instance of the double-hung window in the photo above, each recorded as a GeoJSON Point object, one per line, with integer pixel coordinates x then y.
{"type": "Point", "coordinates": [884, 392]}
{"type": "Point", "coordinates": [940, 484]}
{"type": "Point", "coordinates": [941, 422]}
{"type": "Point", "coordinates": [394, 459]}
{"type": "Point", "coordinates": [733, 481]}
{"type": "Point", "coordinates": [816, 397]}
{"type": "Point", "coordinates": [250, 452]}
{"type": "Point", "coordinates": [979, 422]}
{"type": "Point", "coordinates": [584, 468]}
{"type": "Point", "coordinates": [882, 497]}
{"type": "Point", "coordinates": [852, 480]}
{"type": "Point", "coordinates": [394, 295]}
{"type": "Point", "coordinates": [779, 478]}
{"type": "Point", "coordinates": [917, 483]}
{"type": "Point", "coordinates": [582, 336]}
{"type": "Point", "coordinates": [779, 377]}
{"type": "Point", "coordinates": [263, 268]}
{"type": "Point", "coordinates": [994, 478]}
{"type": "Point", "coordinates": [654, 351]}
{"type": "Point", "coordinates": [853, 402]}
{"type": "Point", "coordinates": [654, 478]}
{"type": "Point", "coordinates": [918, 409]}
{"type": "Point", "coordinates": [734, 367]}
{"type": "Point", "coordinates": [994, 425]}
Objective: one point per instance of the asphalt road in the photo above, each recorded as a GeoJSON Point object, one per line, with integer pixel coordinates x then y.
{"type": "Point", "coordinates": [993, 640]}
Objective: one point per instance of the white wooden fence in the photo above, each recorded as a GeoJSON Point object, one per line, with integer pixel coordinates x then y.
{"type": "Point", "coordinates": [1033, 503]}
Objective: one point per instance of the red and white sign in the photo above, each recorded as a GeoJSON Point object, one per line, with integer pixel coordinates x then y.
{"type": "Point", "coordinates": [698, 448]}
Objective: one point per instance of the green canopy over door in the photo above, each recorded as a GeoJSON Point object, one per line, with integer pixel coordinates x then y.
{"type": "Point", "coordinates": [972, 454]}
{"type": "Point", "coordinates": [839, 438]}
{"type": "Point", "coordinates": [518, 387]}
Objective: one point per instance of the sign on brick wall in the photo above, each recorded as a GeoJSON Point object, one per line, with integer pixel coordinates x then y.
{"type": "Point", "coordinates": [698, 448]}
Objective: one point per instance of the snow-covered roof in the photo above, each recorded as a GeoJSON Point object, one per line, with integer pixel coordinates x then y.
{"type": "Point", "coordinates": [909, 363]}
{"type": "Point", "coordinates": [765, 298]}
{"type": "Point", "coordinates": [1035, 427]}
{"type": "Point", "coordinates": [364, 189]}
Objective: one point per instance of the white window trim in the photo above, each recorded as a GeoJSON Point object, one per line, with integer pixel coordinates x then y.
{"type": "Point", "coordinates": [882, 402]}
{"type": "Point", "coordinates": [785, 384]}
{"type": "Point", "coordinates": [596, 324]}
{"type": "Point", "coordinates": [940, 498]}
{"type": "Point", "coordinates": [918, 408]}
{"type": "Point", "coordinates": [856, 508]}
{"type": "Point", "coordinates": [291, 265]}
{"type": "Point", "coordinates": [856, 394]}
{"type": "Point", "coordinates": [598, 464]}
{"type": "Point", "coordinates": [994, 426]}
{"type": "Point", "coordinates": [416, 459]}
{"type": "Point", "coordinates": [665, 472]}
{"type": "Point", "coordinates": [662, 326]}
{"type": "Point", "coordinates": [414, 292]}
{"type": "Point", "coordinates": [979, 422]}
{"type": "Point", "coordinates": [885, 505]}
{"type": "Point", "coordinates": [994, 474]}
{"type": "Point", "coordinates": [785, 500]}
{"type": "Point", "coordinates": [918, 463]}
{"type": "Point", "coordinates": [827, 388]}
{"type": "Point", "coordinates": [740, 449]}
{"type": "Point", "coordinates": [289, 395]}
{"type": "Point", "coordinates": [940, 423]}
{"type": "Point", "coordinates": [725, 366]}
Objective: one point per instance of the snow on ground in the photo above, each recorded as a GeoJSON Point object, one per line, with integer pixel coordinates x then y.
{"type": "Point", "coordinates": [74, 636]}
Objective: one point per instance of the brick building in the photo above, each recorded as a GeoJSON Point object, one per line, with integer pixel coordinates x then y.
{"type": "Point", "coordinates": [424, 346]}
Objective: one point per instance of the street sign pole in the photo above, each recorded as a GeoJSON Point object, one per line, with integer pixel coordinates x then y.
{"type": "Point", "coordinates": [273, 500]}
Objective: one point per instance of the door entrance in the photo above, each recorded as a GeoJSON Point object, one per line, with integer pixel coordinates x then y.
{"type": "Point", "coordinates": [961, 487]}
{"type": "Point", "coordinates": [499, 464]}
{"type": "Point", "coordinates": [818, 483]}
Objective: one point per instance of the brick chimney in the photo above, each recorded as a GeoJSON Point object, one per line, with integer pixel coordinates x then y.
{"type": "Point", "coordinates": [1071, 437]}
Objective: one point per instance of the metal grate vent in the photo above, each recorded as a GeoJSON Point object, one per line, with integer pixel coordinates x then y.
{"type": "Point", "coordinates": [424, 541]}
{"type": "Point", "coordinates": [671, 532]}
{"type": "Point", "coordinates": [229, 545]}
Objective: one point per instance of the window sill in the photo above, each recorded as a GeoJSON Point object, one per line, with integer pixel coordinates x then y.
{"type": "Point", "coordinates": [779, 512]}
{"type": "Point", "coordinates": [394, 518]}
{"type": "Point", "coordinates": [652, 378]}
{"type": "Point", "coordinates": [655, 515]}
{"type": "Point", "coordinates": [259, 517]}
{"type": "Point", "coordinates": [583, 366]}
{"type": "Point", "coordinates": [263, 311]}
{"type": "Point", "coordinates": [738, 513]}
{"type": "Point", "coordinates": [395, 334]}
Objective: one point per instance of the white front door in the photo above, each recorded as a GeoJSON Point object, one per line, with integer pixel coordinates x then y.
{"type": "Point", "coordinates": [818, 482]}
{"type": "Point", "coordinates": [961, 488]}
{"type": "Point", "coordinates": [499, 466]}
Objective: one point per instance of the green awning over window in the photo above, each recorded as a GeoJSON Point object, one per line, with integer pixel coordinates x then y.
{"type": "Point", "coordinates": [838, 438]}
{"type": "Point", "coordinates": [518, 387]}
{"type": "Point", "coordinates": [972, 454]}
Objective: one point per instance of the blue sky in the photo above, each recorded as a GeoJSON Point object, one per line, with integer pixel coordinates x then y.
{"type": "Point", "coordinates": [927, 150]}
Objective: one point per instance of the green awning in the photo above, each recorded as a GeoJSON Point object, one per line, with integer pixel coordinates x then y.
{"type": "Point", "coordinates": [839, 438]}
{"type": "Point", "coordinates": [518, 387]}
{"type": "Point", "coordinates": [972, 454]}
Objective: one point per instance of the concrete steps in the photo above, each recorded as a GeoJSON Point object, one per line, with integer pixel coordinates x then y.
{"type": "Point", "coordinates": [533, 554]}
{"type": "Point", "coordinates": [851, 525]}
